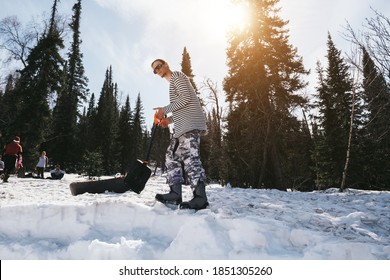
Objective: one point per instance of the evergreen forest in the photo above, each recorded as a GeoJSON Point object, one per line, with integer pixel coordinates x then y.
{"type": "Point", "coordinates": [265, 130]}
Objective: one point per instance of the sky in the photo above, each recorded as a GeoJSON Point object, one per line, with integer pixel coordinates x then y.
{"type": "Point", "coordinates": [129, 35]}
{"type": "Point", "coordinates": [41, 220]}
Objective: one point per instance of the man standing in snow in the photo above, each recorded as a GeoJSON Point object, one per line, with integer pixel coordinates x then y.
{"type": "Point", "coordinates": [11, 154]}
{"type": "Point", "coordinates": [186, 113]}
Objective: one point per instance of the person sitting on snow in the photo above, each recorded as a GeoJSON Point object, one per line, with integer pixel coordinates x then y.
{"type": "Point", "coordinates": [57, 173]}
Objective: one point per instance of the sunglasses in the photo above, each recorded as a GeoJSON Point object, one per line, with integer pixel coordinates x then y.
{"type": "Point", "coordinates": [158, 67]}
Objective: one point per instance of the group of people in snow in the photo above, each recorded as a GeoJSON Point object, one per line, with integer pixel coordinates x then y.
{"type": "Point", "coordinates": [11, 162]}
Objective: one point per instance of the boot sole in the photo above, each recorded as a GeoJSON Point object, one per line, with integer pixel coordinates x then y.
{"type": "Point", "coordinates": [186, 205]}
{"type": "Point", "coordinates": [173, 202]}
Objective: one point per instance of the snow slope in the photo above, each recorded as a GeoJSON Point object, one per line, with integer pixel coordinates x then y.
{"type": "Point", "coordinates": [40, 219]}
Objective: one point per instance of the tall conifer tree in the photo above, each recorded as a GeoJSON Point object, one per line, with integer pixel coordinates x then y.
{"type": "Point", "coordinates": [107, 124]}
{"type": "Point", "coordinates": [334, 93]}
{"type": "Point", "coordinates": [125, 140]}
{"type": "Point", "coordinates": [66, 111]}
{"type": "Point", "coordinates": [186, 68]}
{"type": "Point", "coordinates": [138, 129]}
{"type": "Point", "coordinates": [8, 107]}
{"type": "Point", "coordinates": [264, 76]}
{"type": "Point", "coordinates": [39, 80]}
{"type": "Point", "coordinates": [376, 129]}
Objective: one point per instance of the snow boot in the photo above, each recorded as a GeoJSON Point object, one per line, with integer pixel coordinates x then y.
{"type": "Point", "coordinates": [173, 197]}
{"type": "Point", "coordinates": [200, 199]}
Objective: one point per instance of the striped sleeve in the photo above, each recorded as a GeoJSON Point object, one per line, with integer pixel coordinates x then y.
{"type": "Point", "coordinates": [179, 92]}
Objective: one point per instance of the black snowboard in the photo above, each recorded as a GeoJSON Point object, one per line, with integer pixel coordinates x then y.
{"type": "Point", "coordinates": [99, 186]}
{"type": "Point", "coordinates": [135, 179]}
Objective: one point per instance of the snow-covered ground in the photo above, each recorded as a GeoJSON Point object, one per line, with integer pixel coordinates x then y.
{"type": "Point", "coordinates": [41, 220]}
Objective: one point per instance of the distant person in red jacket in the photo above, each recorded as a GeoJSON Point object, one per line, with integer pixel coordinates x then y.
{"type": "Point", "coordinates": [11, 154]}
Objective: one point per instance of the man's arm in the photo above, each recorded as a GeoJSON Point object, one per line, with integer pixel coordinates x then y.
{"type": "Point", "coordinates": [183, 91]}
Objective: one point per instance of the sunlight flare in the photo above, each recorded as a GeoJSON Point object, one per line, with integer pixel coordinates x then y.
{"type": "Point", "coordinates": [227, 16]}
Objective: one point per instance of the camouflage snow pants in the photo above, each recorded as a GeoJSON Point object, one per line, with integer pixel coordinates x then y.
{"type": "Point", "coordinates": [185, 149]}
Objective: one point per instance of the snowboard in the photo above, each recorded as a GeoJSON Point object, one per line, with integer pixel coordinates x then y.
{"type": "Point", "coordinates": [116, 185]}
{"type": "Point", "coordinates": [135, 179]}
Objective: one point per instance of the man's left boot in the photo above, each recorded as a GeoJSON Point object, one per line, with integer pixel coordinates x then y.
{"type": "Point", "coordinates": [200, 199]}
{"type": "Point", "coordinates": [173, 197]}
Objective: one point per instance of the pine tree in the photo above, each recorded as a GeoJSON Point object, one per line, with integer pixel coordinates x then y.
{"type": "Point", "coordinates": [334, 93]}
{"type": "Point", "coordinates": [58, 147]}
{"type": "Point", "coordinates": [88, 130]}
{"type": "Point", "coordinates": [8, 107]}
{"type": "Point", "coordinates": [125, 140]}
{"type": "Point", "coordinates": [138, 130]}
{"type": "Point", "coordinates": [88, 133]}
{"type": "Point", "coordinates": [376, 129]}
{"type": "Point", "coordinates": [186, 68]}
{"type": "Point", "coordinates": [107, 124]}
{"type": "Point", "coordinates": [39, 80]}
{"type": "Point", "coordinates": [214, 136]}
{"type": "Point", "coordinates": [64, 147]}
{"type": "Point", "coordinates": [264, 76]}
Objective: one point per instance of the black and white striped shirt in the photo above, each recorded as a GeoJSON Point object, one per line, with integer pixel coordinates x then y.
{"type": "Point", "coordinates": [187, 113]}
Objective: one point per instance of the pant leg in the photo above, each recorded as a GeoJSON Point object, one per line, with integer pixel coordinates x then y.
{"type": "Point", "coordinates": [189, 152]}
{"type": "Point", "coordinates": [173, 164]}
{"type": "Point", "coordinates": [40, 172]}
{"type": "Point", "coordinates": [9, 164]}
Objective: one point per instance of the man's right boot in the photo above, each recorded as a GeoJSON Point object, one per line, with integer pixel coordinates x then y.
{"type": "Point", "coordinates": [173, 197]}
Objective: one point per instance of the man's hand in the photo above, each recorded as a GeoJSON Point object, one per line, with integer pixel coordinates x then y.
{"type": "Point", "coordinates": [159, 113]}
{"type": "Point", "coordinates": [164, 122]}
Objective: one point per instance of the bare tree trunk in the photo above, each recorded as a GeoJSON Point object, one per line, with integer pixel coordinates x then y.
{"type": "Point", "coordinates": [214, 98]}
{"type": "Point", "coordinates": [344, 178]}
{"type": "Point", "coordinates": [265, 155]}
